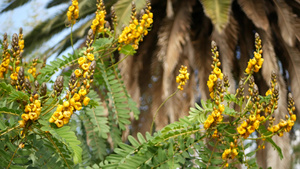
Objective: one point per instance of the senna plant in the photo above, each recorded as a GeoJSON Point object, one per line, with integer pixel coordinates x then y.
{"type": "Point", "coordinates": [77, 120]}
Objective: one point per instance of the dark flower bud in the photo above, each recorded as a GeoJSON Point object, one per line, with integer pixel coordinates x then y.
{"type": "Point", "coordinates": [92, 66]}
{"type": "Point", "coordinates": [214, 45]}
{"type": "Point", "coordinates": [28, 85]}
{"type": "Point", "coordinates": [43, 89]}
{"type": "Point", "coordinates": [15, 42]}
{"type": "Point", "coordinates": [90, 35]}
{"type": "Point", "coordinates": [257, 36]}
{"type": "Point", "coordinates": [58, 85]}
{"type": "Point", "coordinates": [36, 85]}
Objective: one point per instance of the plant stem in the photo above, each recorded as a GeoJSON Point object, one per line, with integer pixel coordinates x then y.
{"type": "Point", "coordinates": [155, 114]}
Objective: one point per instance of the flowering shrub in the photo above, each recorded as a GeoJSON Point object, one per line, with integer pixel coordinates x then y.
{"type": "Point", "coordinates": [69, 126]}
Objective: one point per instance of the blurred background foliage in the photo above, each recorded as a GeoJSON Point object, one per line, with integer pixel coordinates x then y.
{"type": "Point", "coordinates": [181, 34]}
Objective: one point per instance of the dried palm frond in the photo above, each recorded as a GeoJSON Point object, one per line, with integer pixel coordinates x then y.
{"type": "Point", "coordinates": [255, 10]}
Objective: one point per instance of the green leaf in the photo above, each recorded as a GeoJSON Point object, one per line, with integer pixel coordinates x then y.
{"type": "Point", "coordinates": [127, 50]}
{"type": "Point", "coordinates": [276, 147]}
{"type": "Point", "coordinates": [251, 154]}
{"type": "Point", "coordinates": [218, 11]}
{"type": "Point", "coordinates": [101, 42]}
{"type": "Point", "coordinates": [68, 137]}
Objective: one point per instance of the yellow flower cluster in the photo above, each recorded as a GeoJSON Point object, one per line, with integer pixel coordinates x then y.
{"type": "Point", "coordinates": [136, 30]}
{"type": "Point", "coordinates": [75, 98]}
{"type": "Point", "coordinates": [99, 21]}
{"type": "Point", "coordinates": [6, 57]}
{"type": "Point", "coordinates": [216, 73]}
{"type": "Point", "coordinates": [250, 125]}
{"type": "Point", "coordinates": [182, 77]}
{"type": "Point", "coordinates": [230, 153]}
{"type": "Point", "coordinates": [215, 117]}
{"type": "Point", "coordinates": [255, 63]}
{"type": "Point", "coordinates": [63, 112]}
{"type": "Point", "coordinates": [32, 112]}
{"type": "Point", "coordinates": [283, 126]}
{"type": "Point", "coordinates": [73, 12]}
{"type": "Point", "coordinates": [32, 69]}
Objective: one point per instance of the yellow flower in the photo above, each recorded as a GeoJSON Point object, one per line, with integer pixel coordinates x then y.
{"type": "Point", "coordinates": [221, 107]}
{"type": "Point", "coordinates": [212, 77]}
{"type": "Point", "coordinates": [86, 101]}
{"type": "Point", "coordinates": [248, 71]}
{"type": "Point", "coordinates": [66, 121]}
{"type": "Point", "coordinates": [210, 85]}
{"type": "Point", "coordinates": [59, 108]}
{"type": "Point", "coordinates": [51, 120]}
{"type": "Point", "coordinates": [256, 124]}
{"type": "Point", "coordinates": [22, 123]}
{"type": "Point", "coordinates": [257, 55]}
{"type": "Point", "coordinates": [276, 128]}
{"type": "Point", "coordinates": [250, 129]}
{"type": "Point", "coordinates": [59, 123]}
{"type": "Point", "coordinates": [78, 72]}
{"type": "Point", "coordinates": [241, 130]}
{"type": "Point", "coordinates": [58, 115]}
{"type": "Point", "coordinates": [282, 123]}
{"type": "Point", "coordinates": [72, 101]}
{"type": "Point", "coordinates": [85, 66]}
{"type": "Point", "coordinates": [14, 76]}
{"type": "Point", "coordinates": [256, 68]}
{"type": "Point", "coordinates": [33, 116]}
{"type": "Point", "coordinates": [269, 92]}
{"type": "Point", "coordinates": [25, 117]}
{"type": "Point", "coordinates": [252, 117]}
{"type": "Point", "coordinates": [293, 117]}
{"type": "Point", "coordinates": [252, 62]}
{"type": "Point", "coordinates": [82, 92]}
{"type": "Point", "coordinates": [81, 60]}
{"type": "Point", "coordinates": [260, 61]}
{"type": "Point", "coordinates": [90, 56]}
{"type": "Point", "coordinates": [77, 106]}
{"type": "Point", "coordinates": [76, 97]}
{"type": "Point", "coordinates": [37, 103]}
{"type": "Point", "coordinates": [67, 114]}
{"type": "Point", "coordinates": [217, 71]}
{"type": "Point", "coordinates": [244, 125]}
{"type": "Point", "coordinates": [66, 104]}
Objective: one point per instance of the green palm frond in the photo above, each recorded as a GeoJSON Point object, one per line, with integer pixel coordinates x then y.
{"type": "Point", "coordinates": [218, 11]}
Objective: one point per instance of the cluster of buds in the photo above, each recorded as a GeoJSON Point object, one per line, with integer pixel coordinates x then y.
{"type": "Point", "coordinates": [6, 57]}
{"type": "Point", "coordinates": [255, 63]}
{"type": "Point", "coordinates": [274, 92]}
{"type": "Point", "coordinates": [230, 153]}
{"type": "Point", "coordinates": [32, 69]}
{"type": "Point", "coordinates": [17, 46]}
{"type": "Point", "coordinates": [73, 12]}
{"type": "Point", "coordinates": [99, 21]}
{"type": "Point", "coordinates": [215, 117]}
{"type": "Point", "coordinates": [79, 86]}
{"type": "Point", "coordinates": [137, 29]}
{"type": "Point", "coordinates": [216, 73]}
{"type": "Point", "coordinates": [32, 111]}
{"type": "Point", "coordinates": [182, 77]}
{"type": "Point", "coordinates": [58, 86]}
{"type": "Point", "coordinates": [287, 124]}
{"type": "Point", "coordinates": [21, 79]}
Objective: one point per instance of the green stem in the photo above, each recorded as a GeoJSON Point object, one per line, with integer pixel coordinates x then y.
{"type": "Point", "coordinates": [155, 114]}
{"type": "Point", "coordinates": [117, 62]}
